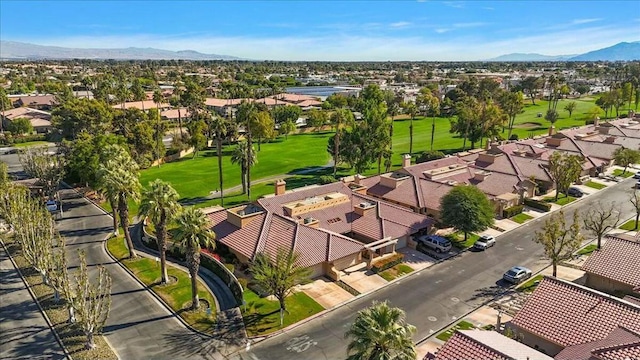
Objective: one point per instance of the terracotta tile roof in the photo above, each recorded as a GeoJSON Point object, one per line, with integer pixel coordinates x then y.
{"type": "Point", "coordinates": [568, 314]}
{"type": "Point", "coordinates": [215, 102]}
{"type": "Point", "coordinates": [532, 167]}
{"type": "Point", "coordinates": [618, 260]}
{"type": "Point", "coordinates": [146, 105]}
{"type": "Point", "coordinates": [36, 117]}
{"type": "Point", "coordinates": [311, 102]}
{"type": "Point", "coordinates": [243, 240]}
{"type": "Point", "coordinates": [174, 114]}
{"type": "Point", "coordinates": [632, 299]}
{"type": "Point", "coordinates": [432, 192]}
{"type": "Point", "coordinates": [35, 100]}
{"type": "Point", "coordinates": [405, 193]}
{"type": "Point", "coordinates": [619, 336]}
{"type": "Point", "coordinates": [597, 149]}
{"type": "Point", "coordinates": [624, 351]}
{"type": "Point", "coordinates": [295, 98]}
{"type": "Point", "coordinates": [480, 344]}
{"type": "Point", "coordinates": [270, 101]}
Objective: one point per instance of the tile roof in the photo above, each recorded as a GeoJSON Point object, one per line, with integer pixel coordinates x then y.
{"type": "Point", "coordinates": [619, 336]}
{"type": "Point", "coordinates": [174, 114]}
{"type": "Point", "coordinates": [481, 344]}
{"type": "Point", "coordinates": [618, 352]}
{"type": "Point", "coordinates": [146, 105]}
{"type": "Point", "coordinates": [35, 116]}
{"type": "Point", "coordinates": [618, 259]}
{"type": "Point", "coordinates": [36, 100]}
{"type": "Point", "coordinates": [568, 314]}
{"type": "Point", "coordinates": [215, 102]}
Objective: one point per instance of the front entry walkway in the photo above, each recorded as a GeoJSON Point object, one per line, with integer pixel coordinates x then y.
{"type": "Point", "coordinates": [326, 292]}
{"type": "Point", "coordinates": [361, 279]}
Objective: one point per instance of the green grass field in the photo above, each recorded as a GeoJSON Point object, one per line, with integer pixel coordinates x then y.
{"type": "Point", "coordinates": [595, 185]}
{"type": "Point", "coordinates": [562, 199]}
{"type": "Point", "coordinates": [29, 143]}
{"type": "Point", "coordinates": [618, 172]}
{"type": "Point", "coordinates": [521, 218]}
{"type": "Point", "coordinates": [396, 272]}
{"type": "Point", "coordinates": [462, 325]}
{"type": "Point", "coordinates": [629, 225]}
{"type": "Point", "coordinates": [262, 316]}
{"type": "Point", "coordinates": [587, 250]}
{"type": "Point", "coordinates": [531, 284]}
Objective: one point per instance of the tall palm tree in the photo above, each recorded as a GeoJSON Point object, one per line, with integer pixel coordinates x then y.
{"type": "Point", "coordinates": [240, 156]}
{"type": "Point", "coordinates": [118, 177]}
{"type": "Point", "coordinates": [160, 203]}
{"type": "Point", "coordinates": [219, 127]}
{"type": "Point", "coordinates": [157, 98]}
{"type": "Point", "coordinates": [381, 332]}
{"type": "Point", "coordinates": [191, 233]}
{"type": "Point", "coordinates": [339, 119]}
{"type": "Point", "coordinates": [246, 114]}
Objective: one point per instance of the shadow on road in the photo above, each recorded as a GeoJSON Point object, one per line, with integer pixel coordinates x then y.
{"type": "Point", "coordinates": [110, 328]}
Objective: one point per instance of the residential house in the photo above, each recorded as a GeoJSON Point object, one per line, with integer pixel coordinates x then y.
{"type": "Point", "coordinates": [615, 268]}
{"type": "Point", "coordinates": [142, 105]}
{"type": "Point", "coordinates": [175, 114]}
{"type": "Point", "coordinates": [39, 119]}
{"type": "Point", "coordinates": [331, 226]}
{"type": "Point", "coordinates": [481, 344]}
{"type": "Point", "coordinates": [40, 102]}
{"type": "Point", "coordinates": [224, 107]}
{"type": "Point", "coordinates": [560, 315]}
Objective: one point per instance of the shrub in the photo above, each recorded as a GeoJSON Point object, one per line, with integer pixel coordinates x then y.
{"type": "Point", "coordinates": [386, 263]}
{"type": "Point", "coordinates": [230, 267]}
{"type": "Point", "coordinates": [243, 282]}
{"type": "Point", "coordinates": [512, 211]}
{"type": "Point", "coordinates": [326, 179]}
{"type": "Point", "coordinates": [513, 137]}
{"type": "Point", "coordinates": [215, 267]}
{"type": "Point", "coordinates": [589, 122]}
{"type": "Point", "coordinates": [537, 204]}
{"type": "Point", "coordinates": [429, 155]}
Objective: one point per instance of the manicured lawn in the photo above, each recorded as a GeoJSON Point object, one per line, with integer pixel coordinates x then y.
{"type": "Point", "coordinates": [595, 185]}
{"type": "Point", "coordinates": [457, 240]}
{"type": "Point", "coordinates": [262, 316]}
{"type": "Point", "coordinates": [629, 225]}
{"type": "Point", "coordinates": [177, 294]}
{"type": "Point", "coordinates": [587, 249]}
{"type": "Point", "coordinates": [531, 284]}
{"type": "Point", "coordinates": [521, 218]}
{"type": "Point", "coordinates": [396, 272]}
{"type": "Point", "coordinates": [462, 325]}
{"type": "Point", "coordinates": [618, 172]}
{"type": "Point", "coordinates": [29, 143]}
{"type": "Point", "coordinates": [562, 199]}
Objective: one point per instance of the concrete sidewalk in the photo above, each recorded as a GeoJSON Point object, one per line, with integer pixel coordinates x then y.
{"type": "Point", "coordinates": [24, 332]}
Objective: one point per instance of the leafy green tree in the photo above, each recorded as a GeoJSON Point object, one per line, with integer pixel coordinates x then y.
{"type": "Point", "coordinates": [551, 116]}
{"type": "Point", "coordinates": [530, 85]}
{"type": "Point", "coordinates": [564, 169]}
{"type": "Point", "coordinates": [196, 135]}
{"type": "Point", "coordinates": [317, 119]}
{"type": "Point", "coordinates": [160, 203]}
{"type": "Point", "coordinates": [429, 105]}
{"type": "Point", "coordinates": [582, 89]}
{"type": "Point", "coordinates": [47, 168]}
{"type": "Point", "coordinates": [85, 154]}
{"type": "Point", "coordinates": [635, 201]}
{"type": "Point", "coordinates": [20, 126]}
{"type": "Point", "coordinates": [571, 107]}
{"type": "Point", "coordinates": [512, 104]}
{"type": "Point", "coordinates": [263, 127]}
{"type": "Point", "coordinates": [5, 104]}
{"type": "Point", "coordinates": [82, 115]}
{"type": "Point", "coordinates": [278, 276]}
{"type": "Point", "coordinates": [381, 332]}
{"type": "Point", "coordinates": [476, 120]}
{"type": "Point", "coordinates": [467, 209]}
{"type": "Point", "coordinates": [287, 128]}
{"type": "Point", "coordinates": [430, 155]}
{"type": "Point", "coordinates": [337, 100]}
{"type": "Point", "coordinates": [4, 176]}
{"type": "Point", "coordinates": [282, 114]}
{"type": "Point", "coordinates": [559, 241]}
{"type": "Point", "coordinates": [191, 233]}
{"type": "Point", "coordinates": [118, 178]}
{"type": "Point", "coordinates": [339, 119]}
{"type": "Point", "coordinates": [625, 157]}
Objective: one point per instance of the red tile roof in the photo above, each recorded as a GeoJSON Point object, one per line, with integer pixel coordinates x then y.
{"type": "Point", "coordinates": [619, 352]}
{"type": "Point", "coordinates": [618, 259]}
{"type": "Point", "coordinates": [480, 344]}
{"type": "Point", "coordinates": [568, 314]}
{"type": "Point", "coordinates": [620, 336]}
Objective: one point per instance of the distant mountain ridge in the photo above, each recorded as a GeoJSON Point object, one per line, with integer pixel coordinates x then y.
{"type": "Point", "coordinates": [19, 50]}
{"type": "Point", "coordinates": [624, 51]}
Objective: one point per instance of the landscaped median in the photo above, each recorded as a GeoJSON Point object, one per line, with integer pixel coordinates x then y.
{"type": "Point", "coordinates": [176, 294]}
{"type": "Point", "coordinates": [71, 335]}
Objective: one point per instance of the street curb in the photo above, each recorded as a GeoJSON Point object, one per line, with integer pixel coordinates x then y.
{"type": "Point", "coordinates": [153, 293]}
{"type": "Point", "coordinates": [33, 296]}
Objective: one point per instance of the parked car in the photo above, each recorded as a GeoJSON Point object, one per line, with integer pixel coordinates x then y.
{"type": "Point", "coordinates": [434, 242]}
{"type": "Point", "coordinates": [638, 185]}
{"type": "Point", "coordinates": [575, 192]}
{"type": "Point", "coordinates": [517, 274]}
{"type": "Point", "coordinates": [51, 205]}
{"type": "Point", "coordinates": [636, 175]}
{"type": "Point", "coordinates": [484, 242]}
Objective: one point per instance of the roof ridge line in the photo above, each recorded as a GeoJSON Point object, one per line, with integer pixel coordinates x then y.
{"type": "Point", "coordinates": [264, 229]}
{"type": "Point", "coordinates": [482, 343]}
{"type": "Point", "coordinates": [595, 292]}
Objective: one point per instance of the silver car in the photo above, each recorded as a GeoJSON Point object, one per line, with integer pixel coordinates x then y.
{"type": "Point", "coordinates": [484, 242]}
{"type": "Point", "coordinates": [517, 274]}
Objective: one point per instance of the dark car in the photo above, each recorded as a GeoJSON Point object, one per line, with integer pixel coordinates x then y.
{"type": "Point", "coordinates": [575, 192]}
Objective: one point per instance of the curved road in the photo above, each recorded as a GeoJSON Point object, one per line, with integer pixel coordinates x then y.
{"type": "Point", "coordinates": [436, 296]}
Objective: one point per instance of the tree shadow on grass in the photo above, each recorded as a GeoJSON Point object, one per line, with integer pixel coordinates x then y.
{"type": "Point", "coordinates": [485, 294]}
{"type": "Point", "coordinates": [261, 323]}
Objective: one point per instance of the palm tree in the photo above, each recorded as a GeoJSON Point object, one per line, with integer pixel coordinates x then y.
{"type": "Point", "coordinates": [160, 203]}
{"type": "Point", "coordinates": [157, 98]}
{"type": "Point", "coordinates": [412, 109]}
{"type": "Point", "coordinates": [191, 233]}
{"type": "Point", "coordinates": [219, 127]}
{"type": "Point", "coordinates": [279, 276]}
{"type": "Point", "coordinates": [119, 178]}
{"type": "Point", "coordinates": [246, 114]}
{"type": "Point", "coordinates": [381, 332]}
{"type": "Point", "coordinates": [240, 156]}
{"type": "Point", "coordinates": [339, 119]}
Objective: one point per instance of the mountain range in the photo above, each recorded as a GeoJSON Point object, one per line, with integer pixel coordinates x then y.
{"type": "Point", "coordinates": [13, 50]}
{"type": "Point", "coordinates": [624, 51]}
{"type": "Point", "coordinates": [18, 50]}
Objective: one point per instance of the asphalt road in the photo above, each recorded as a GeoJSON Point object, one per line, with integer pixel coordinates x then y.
{"type": "Point", "coordinates": [433, 297]}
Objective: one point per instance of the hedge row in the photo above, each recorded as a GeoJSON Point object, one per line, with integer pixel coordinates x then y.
{"type": "Point", "coordinates": [512, 211]}
{"type": "Point", "coordinates": [386, 263]}
{"type": "Point", "coordinates": [537, 204]}
{"type": "Point", "coordinates": [217, 268]}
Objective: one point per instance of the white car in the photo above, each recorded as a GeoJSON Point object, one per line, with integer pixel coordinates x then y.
{"type": "Point", "coordinates": [517, 274]}
{"type": "Point", "coordinates": [636, 175]}
{"type": "Point", "coordinates": [484, 242]}
{"type": "Point", "coordinates": [51, 205]}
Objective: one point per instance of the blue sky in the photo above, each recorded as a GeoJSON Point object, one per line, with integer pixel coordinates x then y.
{"type": "Point", "coordinates": [328, 30]}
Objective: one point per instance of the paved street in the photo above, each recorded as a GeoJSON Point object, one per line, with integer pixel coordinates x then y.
{"type": "Point", "coordinates": [24, 333]}
{"type": "Point", "coordinates": [434, 297]}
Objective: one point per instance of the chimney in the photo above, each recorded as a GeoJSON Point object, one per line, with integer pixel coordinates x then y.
{"type": "Point", "coordinates": [363, 208]}
{"type": "Point", "coordinates": [552, 130]}
{"type": "Point", "coordinates": [406, 160]}
{"type": "Point", "coordinates": [481, 175]}
{"type": "Point", "coordinates": [281, 187]}
{"type": "Point", "coordinates": [596, 121]}
{"type": "Point", "coordinates": [357, 178]}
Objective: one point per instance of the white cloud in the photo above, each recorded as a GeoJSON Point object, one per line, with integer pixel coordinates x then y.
{"type": "Point", "coordinates": [468, 25]}
{"type": "Point", "coordinates": [400, 24]}
{"type": "Point", "coordinates": [454, 4]}
{"type": "Point", "coordinates": [442, 30]}
{"type": "Point", "coordinates": [584, 21]}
